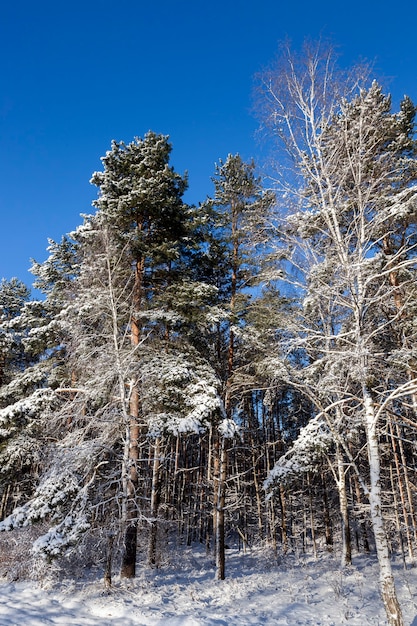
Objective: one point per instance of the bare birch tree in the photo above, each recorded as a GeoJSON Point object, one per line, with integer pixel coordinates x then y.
{"type": "Point", "coordinates": [349, 179]}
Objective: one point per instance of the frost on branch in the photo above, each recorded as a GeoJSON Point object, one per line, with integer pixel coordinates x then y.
{"type": "Point", "coordinates": [228, 428]}
{"type": "Point", "coordinates": [64, 497]}
{"type": "Point", "coordinates": [23, 451]}
{"type": "Point", "coordinates": [55, 491]}
{"type": "Point", "coordinates": [312, 442]}
{"type": "Point", "coordinates": [180, 393]}
{"type": "Point", "coordinates": [24, 409]}
{"type": "Point", "coordinates": [62, 536]}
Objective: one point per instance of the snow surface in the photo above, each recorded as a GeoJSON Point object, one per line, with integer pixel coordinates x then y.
{"type": "Point", "coordinates": [258, 590]}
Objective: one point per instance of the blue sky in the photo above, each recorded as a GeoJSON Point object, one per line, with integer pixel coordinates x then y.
{"type": "Point", "coordinates": [75, 75]}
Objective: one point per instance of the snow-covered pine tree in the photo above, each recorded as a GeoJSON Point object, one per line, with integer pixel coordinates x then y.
{"type": "Point", "coordinates": [32, 397]}
{"type": "Point", "coordinates": [240, 208]}
{"type": "Point", "coordinates": [140, 201]}
{"type": "Point", "coordinates": [13, 295]}
{"type": "Point", "coordinates": [13, 360]}
{"type": "Point", "coordinates": [143, 230]}
{"type": "Point", "coordinates": [26, 396]}
{"type": "Point", "coordinates": [238, 211]}
{"type": "Point", "coordinates": [128, 368]}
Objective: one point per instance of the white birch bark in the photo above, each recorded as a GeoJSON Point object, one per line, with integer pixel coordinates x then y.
{"type": "Point", "coordinates": [353, 188]}
{"type": "Point", "coordinates": [343, 504]}
{"type": "Point", "coordinates": [386, 577]}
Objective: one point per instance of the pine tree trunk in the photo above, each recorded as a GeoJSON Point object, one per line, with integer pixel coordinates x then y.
{"type": "Point", "coordinates": [412, 517]}
{"type": "Point", "coordinates": [128, 568]}
{"type": "Point", "coordinates": [397, 517]}
{"type": "Point", "coordinates": [257, 490]}
{"type": "Point", "coordinates": [362, 523]}
{"type": "Point", "coordinates": [129, 511]}
{"type": "Point", "coordinates": [328, 532]}
{"type": "Point", "coordinates": [312, 520]}
{"type": "Point", "coordinates": [109, 560]}
{"type": "Point", "coordinates": [155, 495]}
{"type": "Point", "coordinates": [284, 526]}
{"type": "Point", "coordinates": [216, 488]}
{"type": "Point", "coordinates": [401, 492]}
{"type": "Point", "coordinates": [220, 528]}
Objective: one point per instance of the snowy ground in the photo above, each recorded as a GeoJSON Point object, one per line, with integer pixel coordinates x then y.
{"type": "Point", "coordinates": [257, 591]}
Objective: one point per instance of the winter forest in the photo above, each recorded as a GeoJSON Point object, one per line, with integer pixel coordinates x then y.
{"type": "Point", "coordinates": [235, 374]}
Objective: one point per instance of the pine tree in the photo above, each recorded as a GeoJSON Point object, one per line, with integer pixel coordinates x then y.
{"type": "Point", "coordinates": [238, 206]}
{"type": "Point", "coordinates": [13, 360]}
{"type": "Point", "coordinates": [140, 203]}
{"type": "Point", "coordinates": [122, 340]}
{"type": "Point", "coordinates": [13, 295]}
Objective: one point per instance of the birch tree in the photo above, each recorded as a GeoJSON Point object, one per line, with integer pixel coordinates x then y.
{"type": "Point", "coordinates": [351, 181]}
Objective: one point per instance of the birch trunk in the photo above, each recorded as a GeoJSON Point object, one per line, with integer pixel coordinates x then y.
{"type": "Point", "coordinates": [344, 514]}
{"type": "Point", "coordinates": [386, 579]}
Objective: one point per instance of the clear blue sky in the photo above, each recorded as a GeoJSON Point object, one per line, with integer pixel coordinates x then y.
{"type": "Point", "coordinates": [75, 75]}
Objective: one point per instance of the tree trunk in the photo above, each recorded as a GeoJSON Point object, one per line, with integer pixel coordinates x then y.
{"type": "Point", "coordinates": [387, 585]}
{"type": "Point", "coordinates": [312, 520]}
{"type": "Point", "coordinates": [401, 492]}
{"type": "Point", "coordinates": [412, 517]}
{"type": "Point", "coordinates": [220, 530]}
{"type": "Point", "coordinates": [216, 486]}
{"type": "Point", "coordinates": [362, 523]}
{"type": "Point", "coordinates": [328, 531]}
{"type": "Point", "coordinates": [284, 526]}
{"type": "Point", "coordinates": [397, 517]}
{"type": "Point", "coordinates": [257, 489]}
{"type": "Point", "coordinates": [344, 514]}
{"type": "Point", "coordinates": [155, 495]}
{"type": "Point", "coordinates": [128, 568]}
{"type": "Point", "coordinates": [109, 560]}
